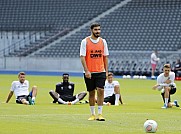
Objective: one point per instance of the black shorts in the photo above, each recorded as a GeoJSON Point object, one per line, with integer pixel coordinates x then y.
{"type": "Point", "coordinates": [110, 99]}
{"type": "Point", "coordinates": [19, 98]}
{"type": "Point", "coordinates": [97, 80]}
{"type": "Point", "coordinates": [67, 98]}
{"type": "Point", "coordinates": [172, 91]}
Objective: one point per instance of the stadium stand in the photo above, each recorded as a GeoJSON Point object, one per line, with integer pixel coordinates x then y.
{"type": "Point", "coordinates": [134, 30]}
{"type": "Point", "coordinates": [138, 62]}
{"type": "Point", "coordinates": [137, 26]}
{"type": "Point", "coordinates": [47, 15]}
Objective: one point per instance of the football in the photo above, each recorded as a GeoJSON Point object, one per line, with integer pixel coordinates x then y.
{"type": "Point", "coordinates": [150, 126]}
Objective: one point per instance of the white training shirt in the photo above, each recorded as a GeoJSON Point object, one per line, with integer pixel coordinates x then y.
{"type": "Point", "coordinates": [109, 88]}
{"type": "Point", "coordinates": [154, 58]}
{"type": "Point", "coordinates": [20, 88]}
{"type": "Point", "coordinates": [161, 80]}
{"type": "Point", "coordinates": [84, 43]}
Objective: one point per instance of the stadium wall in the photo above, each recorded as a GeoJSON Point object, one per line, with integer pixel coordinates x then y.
{"type": "Point", "coordinates": [40, 64]}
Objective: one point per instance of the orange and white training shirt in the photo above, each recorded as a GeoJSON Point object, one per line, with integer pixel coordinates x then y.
{"type": "Point", "coordinates": [94, 50]}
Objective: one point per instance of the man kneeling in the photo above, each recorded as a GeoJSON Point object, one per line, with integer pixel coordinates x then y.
{"type": "Point", "coordinates": [64, 91]}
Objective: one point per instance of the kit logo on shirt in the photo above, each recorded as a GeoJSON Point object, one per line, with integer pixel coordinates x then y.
{"type": "Point", "coordinates": [96, 53]}
{"type": "Point", "coordinates": [109, 86]}
{"type": "Point", "coordinates": [69, 87]}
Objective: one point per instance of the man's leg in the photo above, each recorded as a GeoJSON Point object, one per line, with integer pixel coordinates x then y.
{"type": "Point", "coordinates": [56, 97]}
{"type": "Point", "coordinates": [34, 92]}
{"type": "Point", "coordinates": [100, 97]}
{"type": "Point", "coordinates": [100, 100]}
{"type": "Point", "coordinates": [92, 101]}
{"type": "Point", "coordinates": [34, 89]}
{"type": "Point", "coordinates": [100, 82]}
{"type": "Point", "coordinates": [117, 95]}
{"type": "Point", "coordinates": [22, 100]}
{"type": "Point", "coordinates": [166, 96]}
{"type": "Point", "coordinates": [153, 71]}
{"type": "Point", "coordinates": [173, 91]}
{"type": "Point", "coordinates": [32, 95]}
{"type": "Point", "coordinates": [110, 100]}
{"type": "Point", "coordinates": [79, 97]}
{"type": "Point", "coordinates": [90, 85]}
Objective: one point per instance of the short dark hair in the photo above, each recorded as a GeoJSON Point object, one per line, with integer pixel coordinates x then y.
{"type": "Point", "coordinates": [167, 66]}
{"type": "Point", "coordinates": [65, 74]}
{"type": "Point", "coordinates": [95, 24]}
{"type": "Point", "coordinates": [21, 73]}
{"type": "Point", "coordinates": [110, 74]}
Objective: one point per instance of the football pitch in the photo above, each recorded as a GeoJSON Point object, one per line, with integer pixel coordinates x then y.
{"type": "Point", "coordinates": [141, 103]}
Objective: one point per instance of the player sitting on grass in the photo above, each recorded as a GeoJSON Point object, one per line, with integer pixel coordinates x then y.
{"type": "Point", "coordinates": [165, 84]}
{"type": "Point", "coordinates": [112, 94]}
{"type": "Point", "coordinates": [64, 92]}
{"type": "Point", "coordinates": [20, 88]}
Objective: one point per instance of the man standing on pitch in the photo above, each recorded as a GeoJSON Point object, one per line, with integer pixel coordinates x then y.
{"type": "Point", "coordinates": [94, 58]}
{"type": "Point", "coordinates": [154, 61]}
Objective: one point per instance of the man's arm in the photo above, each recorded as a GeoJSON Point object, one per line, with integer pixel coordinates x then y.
{"type": "Point", "coordinates": [71, 92]}
{"type": "Point", "coordinates": [168, 81]}
{"type": "Point", "coordinates": [87, 73]}
{"type": "Point", "coordinates": [178, 69]}
{"type": "Point", "coordinates": [105, 58]}
{"type": "Point", "coordinates": [56, 88]}
{"type": "Point", "coordinates": [155, 86]}
{"type": "Point", "coordinates": [9, 96]}
{"type": "Point", "coordinates": [154, 57]}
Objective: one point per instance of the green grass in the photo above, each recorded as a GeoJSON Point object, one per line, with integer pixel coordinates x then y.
{"type": "Point", "coordinates": [141, 103]}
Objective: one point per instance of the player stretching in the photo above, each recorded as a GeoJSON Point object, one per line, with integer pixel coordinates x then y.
{"type": "Point", "coordinates": [165, 84]}
{"type": "Point", "coordinates": [20, 88]}
{"type": "Point", "coordinates": [112, 91]}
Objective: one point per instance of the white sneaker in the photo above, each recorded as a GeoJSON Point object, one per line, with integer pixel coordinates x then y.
{"type": "Point", "coordinates": [153, 77]}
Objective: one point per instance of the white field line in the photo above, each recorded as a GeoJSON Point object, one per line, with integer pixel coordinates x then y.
{"type": "Point", "coordinates": [31, 115]}
{"type": "Point", "coordinates": [27, 115]}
